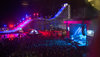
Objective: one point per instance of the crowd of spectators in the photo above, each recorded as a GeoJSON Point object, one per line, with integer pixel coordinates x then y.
{"type": "Point", "coordinates": [33, 46]}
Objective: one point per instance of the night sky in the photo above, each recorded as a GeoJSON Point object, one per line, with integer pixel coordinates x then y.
{"type": "Point", "coordinates": [13, 10]}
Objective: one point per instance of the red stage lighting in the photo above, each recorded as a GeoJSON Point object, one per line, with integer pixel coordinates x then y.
{"type": "Point", "coordinates": [34, 14]}
{"type": "Point", "coordinates": [9, 38]}
{"type": "Point", "coordinates": [30, 18]}
{"type": "Point", "coordinates": [37, 14]}
{"type": "Point", "coordinates": [11, 25]}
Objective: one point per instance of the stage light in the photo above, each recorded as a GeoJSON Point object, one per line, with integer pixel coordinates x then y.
{"type": "Point", "coordinates": [68, 28]}
{"type": "Point", "coordinates": [26, 15]}
{"type": "Point", "coordinates": [72, 38]}
{"type": "Point", "coordinates": [11, 25]}
{"type": "Point", "coordinates": [5, 25]}
{"type": "Point", "coordinates": [65, 22]}
{"type": "Point", "coordinates": [37, 14]}
{"type": "Point", "coordinates": [9, 38]}
{"type": "Point", "coordinates": [20, 28]}
{"type": "Point", "coordinates": [34, 14]}
{"type": "Point", "coordinates": [23, 19]}
{"type": "Point", "coordinates": [20, 21]}
{"type": "Point", "coordinates": [90, 32]}
{"type": "Point", "coordinates": [36, 32]}
{"type": "Point", "coordinates": [30, 18]}
{"type": "Point", "coordinates": [66, 4]}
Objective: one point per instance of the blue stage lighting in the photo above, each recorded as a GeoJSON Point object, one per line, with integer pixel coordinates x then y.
{"type": "Point", "coordinates": [26, 15]}
{"type": "Point", "coordinates": [5, 25]}
{"type": "Point", "coordinates": [20, 21]}
{"type": "Point", "coordinates": [23, 19]}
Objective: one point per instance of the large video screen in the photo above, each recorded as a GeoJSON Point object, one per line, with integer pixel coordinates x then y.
{"type": "Point", "coordinates": [78, 33]}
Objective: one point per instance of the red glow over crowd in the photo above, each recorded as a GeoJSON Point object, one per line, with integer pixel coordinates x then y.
{"type": "Point", "coordinates": [54, 34]}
